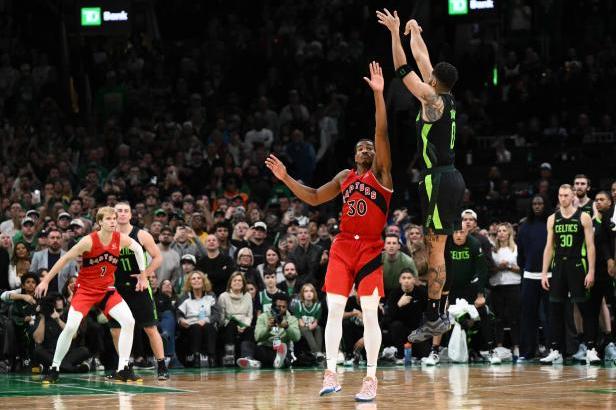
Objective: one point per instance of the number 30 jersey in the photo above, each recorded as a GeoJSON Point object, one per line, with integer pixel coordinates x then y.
{"type": "Point", "coordinates": [365, 203]}
{"type": "Point", "coordinates": [99, 265]}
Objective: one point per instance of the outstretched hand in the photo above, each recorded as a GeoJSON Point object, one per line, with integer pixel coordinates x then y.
{"type": "Point", "coordinates": [276, 166]}
{"type": "Point", "coordinates": [412, 27]}
{"type": "Point", "coordinates": [376, 81]}
{"type": "Point", "coordinates": [391, 21]}
{"type": "Point", "coordinates": [41, 289]}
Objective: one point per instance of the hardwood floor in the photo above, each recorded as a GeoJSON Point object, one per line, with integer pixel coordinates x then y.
{"type": "Point", "coordinates": [442, 387]}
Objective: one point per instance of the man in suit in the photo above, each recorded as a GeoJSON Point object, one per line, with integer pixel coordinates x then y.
{"type": "Point", "coordinates": [46, 258]}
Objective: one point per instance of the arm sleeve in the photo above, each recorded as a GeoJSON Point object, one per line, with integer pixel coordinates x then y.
{"type": "Point", "coordinates": [261, 328]}
{"type": "Point", "coordinates": [139, 255]}
{"type": "Point", "coordinates": [6, 296]}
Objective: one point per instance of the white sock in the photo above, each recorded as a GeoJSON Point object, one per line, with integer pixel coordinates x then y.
{"type": "Point", "coordinates": [333, 328]}
{"type": "Point", "coordinates": [66, 337]}
{"type": "Point", "coordinates": [122, 314]}
{"type": "Point", "coordinates": [372, 331]}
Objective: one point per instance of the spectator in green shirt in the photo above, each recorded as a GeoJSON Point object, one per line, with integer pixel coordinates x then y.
{"type": "Point", "coordinates": [394, 261]}
{"type": "Point", "coordinates": [274, 330]}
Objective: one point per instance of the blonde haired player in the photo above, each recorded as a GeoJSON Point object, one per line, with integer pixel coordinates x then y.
{"type": "Point", "coordinates": [94, 287]}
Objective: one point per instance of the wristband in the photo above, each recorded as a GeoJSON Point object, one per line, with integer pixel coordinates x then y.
{"type": "Point", "coordinates": [403, 71]}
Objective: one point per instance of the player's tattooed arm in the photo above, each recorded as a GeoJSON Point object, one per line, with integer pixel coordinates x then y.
{"type": "Point", "coordinates": [433, 107]}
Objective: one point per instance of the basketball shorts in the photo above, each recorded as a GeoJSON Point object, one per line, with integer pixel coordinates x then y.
{"type": "Point", "coordinates": [84, 299]}
{"type": "Point", "coordinates": [567, 281]}
{"type": "Point", "coordinates": [441, 192]}
{"type": "Point", "coordinates": [355, 260]}
{"type": "Point", "coordinates": [141, 305]}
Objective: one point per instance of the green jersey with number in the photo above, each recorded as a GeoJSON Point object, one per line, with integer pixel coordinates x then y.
{"type": "Point", "coordinates": [569, 238]}
{"type": "Point", "coordinates": [127, 264]}
{"type": "Point", "coordinates": [436, 140]}
{"type": "Point", "coordinates": [308, 313]}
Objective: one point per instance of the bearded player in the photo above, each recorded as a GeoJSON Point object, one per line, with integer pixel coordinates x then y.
{"type": "Point", "coordinates": [94, 287]}
{"type": "Point", "coordinates": [355, 256]}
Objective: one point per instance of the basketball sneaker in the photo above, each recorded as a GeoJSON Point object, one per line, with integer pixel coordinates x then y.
{"type": "Point", "coordinates": [51, 377]}
{"type": "Point", "coordinates": [330, 383]}
{"type": "Point", "coordinates": [281, 354]}
{"type": "Point", "coordinates": [609, 355]}
{"type": "Point", "coordinates": [493, 358]}
{"type": "Point", "coordinates": [580, 355]}
{"type": "Point", "coordinates": [592, 357]}
{"type": "Point", "coordinates": [127, 375]}
{"type": "Point", "coordinates": [432, 360]}
{"type": "Point", "coordinates": [553, 358]}
{"type": "Point", "coordinates": [430, 328]}
{"type": "Point", "coordinates": [248, 363]}
{"type": "Point", "coordinates": [368, 390]}
{"type": "Point", "coordinates": [162, 371]}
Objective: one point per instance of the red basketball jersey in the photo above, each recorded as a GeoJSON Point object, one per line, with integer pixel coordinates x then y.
{"type": "Point", "coordinates": [99, 265]}
{"type": "Point", "coordinates": [365, 203]}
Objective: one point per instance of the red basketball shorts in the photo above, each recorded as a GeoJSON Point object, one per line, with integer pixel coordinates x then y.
{"type": "Point", "coordinates": [355, 260]}
{"type": "Point", "coordinates": [84, 299]}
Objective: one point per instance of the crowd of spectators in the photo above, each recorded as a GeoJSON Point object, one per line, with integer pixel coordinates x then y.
{"type": "Point", "coordinates": [179, 125]}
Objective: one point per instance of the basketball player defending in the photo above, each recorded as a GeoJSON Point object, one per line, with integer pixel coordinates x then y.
{"type": "Point", "coordinates": [441, 186]}
{"type": "Point", "coordinates": [355, 257]}
{"type": "Point", "coordinates": [141, 304]}
{"type": "Point", "coordinates": [94, 287]}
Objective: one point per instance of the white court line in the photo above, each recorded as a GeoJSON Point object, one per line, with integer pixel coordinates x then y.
{"type": "Point", "coordinates": [161, 388]}
{"type": "Point", "coordinates": [76, 387]}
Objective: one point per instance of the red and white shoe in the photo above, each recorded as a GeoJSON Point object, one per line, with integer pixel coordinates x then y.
{"type": "Point", "coordinates": [281, 354]}
{"type": "Point", "coordinates": [368, 390]}
{"type": "Point", "coordinates": [330, 383]}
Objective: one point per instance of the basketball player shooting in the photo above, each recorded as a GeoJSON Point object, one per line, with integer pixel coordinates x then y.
{"type": "Point", "coordinates": [441, 186]}
{"type": "Point", "coordinates": [355, 256]}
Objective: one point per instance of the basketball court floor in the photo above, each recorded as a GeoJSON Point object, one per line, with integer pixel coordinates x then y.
{"type": "Point", "coordinates": [443, 387]}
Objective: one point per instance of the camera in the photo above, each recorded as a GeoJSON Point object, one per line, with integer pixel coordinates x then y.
{"type": "Point", "coordinates": [277, 314]}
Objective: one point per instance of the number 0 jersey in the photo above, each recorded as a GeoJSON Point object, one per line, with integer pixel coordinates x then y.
{"type": "Point", "coordinates": [99, 265]}
{"type": "Point", "coordinates": [436, 140]}
{"type": "Point", "coordinates": [365, 203]}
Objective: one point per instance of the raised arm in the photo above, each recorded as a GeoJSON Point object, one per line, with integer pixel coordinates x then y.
{"type": "Point", "coordinates": [547, 253]}
{"type": "Point", "coordinates": [81, 247]}
{"type": "Point", "coordinates": [307, 194]}
{"type": "Point", "coordinates": [424, 92]}
{"type": "Point", "coordinates": [589, 237]}
{"type": "Point", "coordinates": [382, 160]}
{"type": "Point", "coordinates": [419, 49]}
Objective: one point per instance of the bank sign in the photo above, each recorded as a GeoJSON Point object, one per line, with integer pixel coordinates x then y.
{"type": "Point", "coordinates": [105, 17]}
{"type": "Point", "coordinates": [469, 7]}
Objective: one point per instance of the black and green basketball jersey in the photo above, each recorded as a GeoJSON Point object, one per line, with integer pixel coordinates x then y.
{"type": "Point", "coordinates": [569, 238]}
{"type": "Point", "coordinates": [588, 208]}
{"type": "Point", "coordinates": [308, 314]}
{"type": "Point", "coordinates": [127, 265]}
{"type": "Point", "coordinates": [436, 140]}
